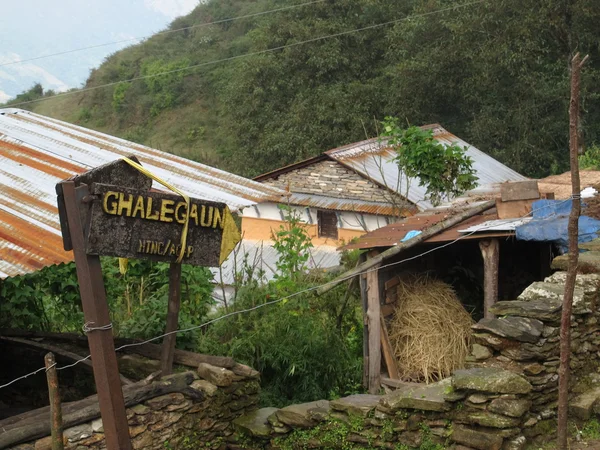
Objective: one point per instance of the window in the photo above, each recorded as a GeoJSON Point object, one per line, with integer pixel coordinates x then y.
{"type": "Point", "coordinates": [327, 224]}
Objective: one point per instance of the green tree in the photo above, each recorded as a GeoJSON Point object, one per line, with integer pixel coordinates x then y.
{"type": "Point", "coordinates": [494, 73]}
{"type": "Point", "coordinates": [445, 170]}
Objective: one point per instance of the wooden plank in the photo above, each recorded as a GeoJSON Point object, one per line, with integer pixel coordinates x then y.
{"type": "Point", "coordinates": [60, 352]}
{"type": "Point", "coordinates": [521, 190]}
{"type": "Point", "coordinates": [374, 324]}
{"type": "Point", "coordinates": [153, 351]}
{"type": "Point", "coordinates": [490, 251]}
{"type": "Point", "coordinates": [388, 353]}
{"type": "Point", "coordinates": [132, 223]}
{"type": "Point", "coordinates": [168, 349]}
{"type": "Point", "coordinates": [387, 310]}
{"type": "Point", "coordinates": [513, 210]}
{"type": "Point", "coordinates": [95, 310]}
{"type": "Point", "coordinates": [391, 283]}
{"type": "Point", "coordinates": [364, 304]}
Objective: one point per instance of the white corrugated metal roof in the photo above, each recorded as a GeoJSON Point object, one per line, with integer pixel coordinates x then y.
{"type": "Point", "coordinates": [497, 225]}
{"type": "Point", "coordinates": [263, 257]}
{"type": "Point", "coordinates": [375, 161]}
{"type": "Point", "coordinates": [37, 152]}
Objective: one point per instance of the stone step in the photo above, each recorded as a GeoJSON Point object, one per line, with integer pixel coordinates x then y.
{"type": "Point", "coordinates": [427, 397]}
{"type": "Point", "coordinates": [542, 290]}
{"type": "Point", "coordinates": [523, 329]}
{"type": "Point", "coordinates": [356, 405]}
{"type": "Point", "coordinates": [591, 246]}
{"type": "Point", "coordinates": [545, 309]}
{"type": "Point", "coordinates": [255, 423]}
{"type": "Point", "coordinates": [582, 406]}
{"type": "Point", "coordinates": [590, 261]}
{"type": "Point", "coordinates": [304, 415]}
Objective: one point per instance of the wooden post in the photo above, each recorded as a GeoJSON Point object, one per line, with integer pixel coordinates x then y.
{"type": "Point", "coordinates": [388, 352]}
{"type": "Point", "coordinates": [374, 325]}
{"type": "Point", "coordinates": [168, 348]}
{"type": "Point", "coordinates": [490, 251]}
{"type": "Point", "coordinates": [56, 423]}
{"type": "Point", "coordinates": [565, 322]}
{"type": "Point", "coordinates": [100, 341]}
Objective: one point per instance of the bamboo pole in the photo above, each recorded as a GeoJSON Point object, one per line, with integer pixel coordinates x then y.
{"type": "Point", "coordinates": [565, 322]}
{"type": "Point", "coordinates": [426, 234]}
{"type": "Point", "coordinates": [56, 423]}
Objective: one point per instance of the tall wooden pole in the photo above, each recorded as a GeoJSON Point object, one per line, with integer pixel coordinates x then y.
{"type": "Point", "coordinates": [374, 325]}
{"type": "Point", "coordinates": [56, 423]}
{"type": "Point", "coordinates": [565, 322]}
{"type": "Point", "coordinates": [168, 348]}
{"type": "Point", "coordinates": [100, 338]}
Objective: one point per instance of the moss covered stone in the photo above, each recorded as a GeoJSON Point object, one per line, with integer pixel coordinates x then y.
{"type": "Point", "coordinates": [493, 380]}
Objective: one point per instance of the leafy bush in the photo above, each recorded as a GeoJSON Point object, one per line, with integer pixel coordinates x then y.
{"type": "Point", "coordinates": [590, 160]}
{"type": "Point", "coordinates": [166, 88]}
{"type": "Point", "coordinates": [119, 96]}
{"type": "Point", "coordinates": [44, 300]}
{"type": "Point", "coordinates": [292, 244]}
{"type": "Point", "coordinates": [49, 299]}
{"type": "Point", "coordinates": [299, 347]}
{"type": "Point", "coordinates": [305, 347]}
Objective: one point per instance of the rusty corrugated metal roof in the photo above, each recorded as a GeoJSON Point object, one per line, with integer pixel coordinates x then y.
{"type": "Point", "coordinates": [37, 152]}
{"type": "Point", "coordinates": [392, 234]}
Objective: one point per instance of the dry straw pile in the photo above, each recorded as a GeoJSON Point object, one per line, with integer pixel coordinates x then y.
{"type": "Point", "coordinates": [430, 331]}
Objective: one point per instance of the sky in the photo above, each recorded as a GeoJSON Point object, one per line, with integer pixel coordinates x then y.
{"type": "Point", "coordinates": [33, 28]}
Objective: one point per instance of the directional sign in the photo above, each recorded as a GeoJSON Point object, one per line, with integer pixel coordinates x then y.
{"type": "Point", "coordinates": [133, 223]}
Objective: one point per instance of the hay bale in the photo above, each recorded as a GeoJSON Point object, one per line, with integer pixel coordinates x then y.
{"type": "Point", "coordinates": [430, 330]}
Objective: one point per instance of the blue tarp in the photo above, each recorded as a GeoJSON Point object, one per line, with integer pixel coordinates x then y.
{"type": "Point", "coordinates": [550, 223]}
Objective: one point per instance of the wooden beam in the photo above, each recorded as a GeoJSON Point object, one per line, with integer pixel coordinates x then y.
{"type": "Point", "coordinates": [95, 310]}
{"type": "Point", "coordinates": [388, 353]}
{"type": "Point", "coordinates": [168, 348]}
{"type": "Point", "coordinates": [426, 234]}
{"type": "Point", "coordinates": [152, 351]}
{"type": "Point", "coordinates": [490, 251]}
{"type": "Point", "coordinates": [374, 325]}
{"type": "Point", "coordinates": [36, 424]}
{"type": "Point", "coordinates": [60, 352]}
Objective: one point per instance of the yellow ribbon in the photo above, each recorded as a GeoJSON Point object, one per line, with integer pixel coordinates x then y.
{"type": "Point", "coordinates": [172, 188]}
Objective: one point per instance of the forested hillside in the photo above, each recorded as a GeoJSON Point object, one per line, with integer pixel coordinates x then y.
{"type": "Point", "coordinates": [493, 72]}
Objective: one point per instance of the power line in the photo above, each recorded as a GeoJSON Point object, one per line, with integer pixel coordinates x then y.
{"type": "Point", "coordinates": [260, 52]}
{"type": "Point", "coordinates": [160, 33]}
{"type": "Point", "coordinates": [272, 302]}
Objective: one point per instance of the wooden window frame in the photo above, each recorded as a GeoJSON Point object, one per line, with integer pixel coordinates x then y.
{"type": "Point", "coordinates": [331, 219]}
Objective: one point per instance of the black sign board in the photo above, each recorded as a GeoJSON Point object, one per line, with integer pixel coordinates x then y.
{"type": "Point", "coordinates": [131, 223]}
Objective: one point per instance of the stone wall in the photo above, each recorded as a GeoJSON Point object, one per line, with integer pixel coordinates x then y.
{"type": "Point", "coordinates": [525, 339]}
{"type": "Point", "coordinates": [332, 179]}
{"type": "Point", "coordinates": [198, 417]}
{"type": "Point", "coordinates": [480, 408]}
{"type": "Point", "coordinates": [505, 397]}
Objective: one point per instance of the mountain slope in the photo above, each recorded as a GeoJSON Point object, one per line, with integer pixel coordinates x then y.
{"type": "Point", "coordinates": [494, 73]}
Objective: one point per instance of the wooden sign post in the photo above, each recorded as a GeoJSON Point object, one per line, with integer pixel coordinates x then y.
{"type": "Point", "coordinates": [110, 211]}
